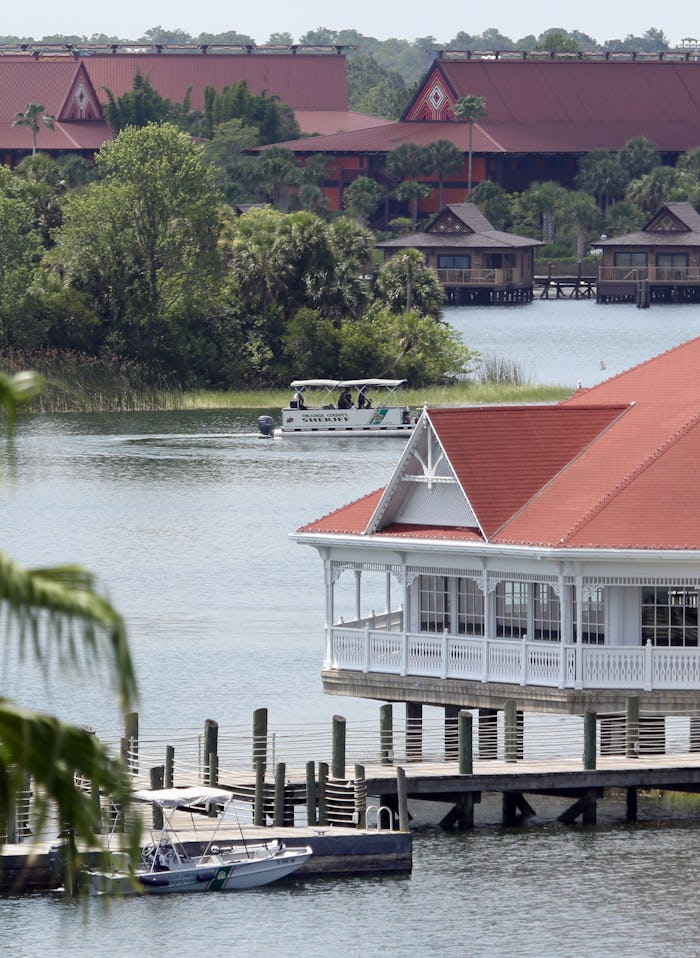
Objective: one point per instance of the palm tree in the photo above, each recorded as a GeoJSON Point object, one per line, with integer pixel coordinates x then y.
{"type": "Point", "coordinates": [362, 198]}
{"type": "Point", "coordinates": [48, 611]}
{"type": "Point", "coordinates": [412, 191]}
{"type": "Point", "coordinates": [445, 158]}
{"type": "Point", "coordinates": [31, 117]}
{"type": "Point", "coordinates": [470, 108]}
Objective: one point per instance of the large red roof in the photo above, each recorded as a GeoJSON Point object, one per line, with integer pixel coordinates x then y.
{"type": "Point", "coordinates": [614, 466]}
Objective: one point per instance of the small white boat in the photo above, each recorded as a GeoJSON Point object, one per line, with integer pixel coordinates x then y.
{"type": "Point", "coordinates": [166, 867]}
{"type": "Point", "coordinates": [330, 407]}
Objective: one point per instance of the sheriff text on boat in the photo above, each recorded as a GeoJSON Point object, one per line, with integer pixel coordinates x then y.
{"type": "Point", "coordinates": [330, 407]}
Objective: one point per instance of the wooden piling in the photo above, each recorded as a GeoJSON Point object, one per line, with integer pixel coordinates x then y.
{"type": "Point", "coordinates": [465, 743]}
{"type": "Point", "coordinates": [259, 798]}
{"type": "Point", "coordinates": [311, 793]}
{"type": "Point", "coordinates": [386, 734]}
{"type": "Point", "coordinates": [157, 776]}
{"type": "Point", "coordinates": [210, 747]}
{"type": "Point", "coordinates": [510, 731]}
{"type": "Point", "coordinates": [589, 740]}
{"type": "Point", "coordinates": [260, 737]}
{"type": "Point", "coordinates": [402, 799]}
{"type": "Point", "coordinates": [278, 810]}
{"type": "Point", "coordinates": [322, 793]}
{"type": "Point", "coordinates": [338, 761]}
{"type": "Point", "coordinates": [360, 815]}
{"type": "Point", "coordinates": [169, 773]}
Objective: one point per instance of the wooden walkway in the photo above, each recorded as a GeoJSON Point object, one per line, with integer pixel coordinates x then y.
{"type": "Point", "coordinates": [565, 287]}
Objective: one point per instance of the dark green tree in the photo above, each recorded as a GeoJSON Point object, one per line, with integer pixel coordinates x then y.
{"type": "Point", "coordinates": [138, 107]}
{"type": "Point", "coordinates": [471, 109]}
{"type": "Point", "coordinates": [444, 158]}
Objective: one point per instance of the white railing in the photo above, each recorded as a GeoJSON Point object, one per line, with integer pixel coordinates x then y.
{"type": "Point", "coordinates": [654, 274]}
{"type": "Point", "coordinates": [516, 661]}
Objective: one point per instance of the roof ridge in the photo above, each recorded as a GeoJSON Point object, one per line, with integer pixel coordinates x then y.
{"type": "Point", "coordinates": [624, 483]}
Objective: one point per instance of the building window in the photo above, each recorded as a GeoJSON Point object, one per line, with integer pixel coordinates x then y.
{"type": "Point", "coordinates": [511, 609]}
{"type": "Point", "coordinates": [470, 608]}
{"type": "Point", "coordinates": [592, 618]}
{"type": "Point", "coordinates": [462, 261]}
{"type": "Point", "coordinates": [631, 260]}
{"type": "Point", "coordinates": [547, 613]}
{"type": "Point", "coordinates": [434, 603]}
{"type": "Point", "coordinates": [670, 616]}
{"type": "Point", "coordinates": [672, 260]}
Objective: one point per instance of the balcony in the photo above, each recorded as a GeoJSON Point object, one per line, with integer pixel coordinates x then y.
{"type": "Point", "coordinates": [480, 277]}
{"type": "Point", "coordinates": [649, 274]}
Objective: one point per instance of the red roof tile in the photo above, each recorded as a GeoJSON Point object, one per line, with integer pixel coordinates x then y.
{"type": "Point", "coordinates": [350, 519]}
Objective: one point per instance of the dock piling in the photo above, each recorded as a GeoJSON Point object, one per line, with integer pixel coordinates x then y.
{"type": "Point", "coordinates": [386, 734]}
{"type": "Point", "coordinates": [338, 762]}
{"type": "Point", "coordinates": [211, 747]}
{"type": "Point", "coordinates": [465, 743]}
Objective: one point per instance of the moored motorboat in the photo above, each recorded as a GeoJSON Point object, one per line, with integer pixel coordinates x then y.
{"type": "Point", "coordinates": [167, 868]}
{"type": "Point", "coordinates": [330, 407]}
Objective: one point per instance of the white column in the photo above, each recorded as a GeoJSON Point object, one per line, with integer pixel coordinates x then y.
{"type": "Point", "coordinates": [579, 632]}
{"type": "Point", "coordinates": [358, 594]}
{"type": "Point", "coordinates": [388, 593]}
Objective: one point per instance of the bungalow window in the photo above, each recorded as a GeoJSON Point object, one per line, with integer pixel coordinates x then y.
{"type": "Point", "coordinates": [592, 619]}
{"type": "Point", "coordinates": [434, 600]}
{"type": "Point", "coordinates": [670, 616]}
{"type": "Point", "coordinates": [547, 613]}
{"type": "Point", "coordinates": [511, 609]}
{"type": "Point", "coordinates": [470, 608]}
{"type": "Point", "coordinates": [672, 260]}
{"type": "Point", "coordinates": [461, 261]}
{"type": "Point", "coordinates": [631, 260]}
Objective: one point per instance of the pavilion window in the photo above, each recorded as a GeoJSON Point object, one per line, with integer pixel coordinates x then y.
{"type": "Point", "coordinates": [670, 616]}
{"type": "Point", "coordinates": [593, 618]}
{"type": "Point", "coordinates": [511, 609]}
{"type": "Point", "coordinates": [631, 260]}
{"type": "Point", "coordinates": [457, 261]}
{"type": "Point", "coordinates": [547, 613]}
{"type": "Point", "coordinates": [470, 608]}
{"type": "Point", "coordinates": [434, 603]}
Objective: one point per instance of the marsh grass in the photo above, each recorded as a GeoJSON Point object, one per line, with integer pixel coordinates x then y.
{"type": "Point", "coordinates": [84, 384]}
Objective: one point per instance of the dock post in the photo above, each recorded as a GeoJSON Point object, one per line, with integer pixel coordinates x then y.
{"type": "Point", "coordinates": [466, 745]}
{"type": "Point", "coordinates": [402, 799]}
{"type": "Point", "coordinates": [260, 736]}
{"type": "Point", "coordinates": [213, 770]}
{"type": "Point", "coordinates": [386, 734]}
{"type": "Point", "coordinates": [589, 740]}
{"type": "Point", "coordinates": [169, 773]}
{"type": "Point", "coordinates": [157, 775]}
{"type": "Point", "coordinates": [310, 793]}
{"type": "Point", "coordinates": [131, 734]}
{"type": "Point", "coordinates": [278, 813]}
{"type": "Point", "coordinates": [338, 762]}
{"type": "Point", "coordinates": [211, 747]}
{"type": "Point", "coordinates": [360, 797]}
{"type": "Point", "coordinates": [632, 727]}
{"type": "Point", "coordinates": [510, 731]}
{"type": "Point", "coordinates": [414, 731]}
{"type": "Point", "coordinates": [451, 732]}
{"type": "Point", "coordinates": [322, 793]}
{"type": "Point", "coordinates": [259, 799]}
{"type": "Point", "coordinates": [488, 734]}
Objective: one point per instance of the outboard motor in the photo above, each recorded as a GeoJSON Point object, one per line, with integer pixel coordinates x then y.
{"type": "Point", "coordinates": [266, 425]}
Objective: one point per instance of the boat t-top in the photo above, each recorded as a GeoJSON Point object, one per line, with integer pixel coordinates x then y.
{"type": "Point", "coordinates": [331, 407]}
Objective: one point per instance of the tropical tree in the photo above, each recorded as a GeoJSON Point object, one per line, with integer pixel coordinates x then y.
{"type": "Point", "coordinates": [33, 117]}
{"type": "Point", "coordinates": [579, 217]}
{"type": "Point", "coordinates": [407, 282]}
{"type": "Point", "coordinates": [278, 175]}
{"type": "Point", "coordinates": [654, 188]}
{"type": "Point", "coordinates": [494, 203]}
{"type": "Point", "coordinates": [471, 109]}
{"type": "Point", "coordinates": [362, 198]}
{"type": "Point", "coordinates": [601, 174]}
{"type": "Point", "coordinates": [138, 107]}
{"type": "Point", "coordinates": [444, 158]}
{"type": "Point", "coordinates": [638, 156]}
{"type": "Point", "coordinates": [411, 191]}
{"type": "Point", "coordinates": [541, 201]}
{"type": "Point", "coordinates": [48, 611]}
{"type": "Point", "coordinates": [624, 217]}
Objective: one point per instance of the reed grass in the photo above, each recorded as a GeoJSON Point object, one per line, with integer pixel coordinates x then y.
{"type": "Point", "coordinates": [85, 384]}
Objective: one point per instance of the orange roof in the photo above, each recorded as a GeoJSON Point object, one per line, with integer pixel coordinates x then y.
{"type": "Point", "coordinates": [614, 466]}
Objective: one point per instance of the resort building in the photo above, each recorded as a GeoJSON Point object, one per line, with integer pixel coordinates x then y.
{"type": "Point", "coordinates": [544, 554]}
{"type": "Point", "coordinates": [474, 262]}
{"type": "Point", "coordinates": [659, 263]}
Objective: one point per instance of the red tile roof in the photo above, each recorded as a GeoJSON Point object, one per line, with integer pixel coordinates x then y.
{"type": "Point", "coordinates": [612, 467]}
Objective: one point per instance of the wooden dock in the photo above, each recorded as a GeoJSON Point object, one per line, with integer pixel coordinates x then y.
{"type": "Point", "coordinates": [574, 286]}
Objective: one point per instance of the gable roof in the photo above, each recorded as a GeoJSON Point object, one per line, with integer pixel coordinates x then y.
{"type": "Point", "coordinates": [612, 467]}
{"type": "Point", "coordinates": [463, 226]}
{"type": "Point", "coordinates": [673, 224]}
{"type": "Point", "coordinates": [64, 89]}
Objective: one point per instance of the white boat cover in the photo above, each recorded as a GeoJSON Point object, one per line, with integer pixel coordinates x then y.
{"type": "Point", "coordinates": [191, 795]}
{"type": "Point", "coordinates": [341, 383]}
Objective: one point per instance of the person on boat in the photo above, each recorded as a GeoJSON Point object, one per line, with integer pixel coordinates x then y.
{"type": "Point", "coordinates": [363, 400]}
{"type": "Point", "coordinates": [345, 399]}
{"type": "Point", "coordinates": [297, 400]}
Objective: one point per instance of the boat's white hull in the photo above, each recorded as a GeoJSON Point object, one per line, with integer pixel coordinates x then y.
{"type": "Point", "coordinates": [235, 871]}
{"type": "Point", "coordinates": [379, 421]}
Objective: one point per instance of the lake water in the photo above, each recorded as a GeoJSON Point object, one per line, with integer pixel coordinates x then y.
{"type": "Point", "coordinates": [185, 518]}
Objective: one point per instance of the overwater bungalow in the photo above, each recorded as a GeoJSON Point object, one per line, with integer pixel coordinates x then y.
{"type": "Point", "coordinates": [659, 263]}
{"type": "Point", "coordinates": [547, 554]}
{"type": "Point", "coordinates": [475, 262]}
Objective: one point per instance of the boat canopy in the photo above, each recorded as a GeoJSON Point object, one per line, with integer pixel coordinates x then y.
{"type": "Point", "coordinates": [342, 383]}
{"type": "Point", "coordinates": [174, 797]}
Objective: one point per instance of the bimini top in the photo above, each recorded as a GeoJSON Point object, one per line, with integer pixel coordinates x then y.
{"type": "Point", "coordinates": [175, 797]}
{"type": "Point", "coordinates": [342, 383]}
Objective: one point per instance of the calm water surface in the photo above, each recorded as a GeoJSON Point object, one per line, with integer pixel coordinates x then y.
{"type": "Point", "coordinates": [185, 518]}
